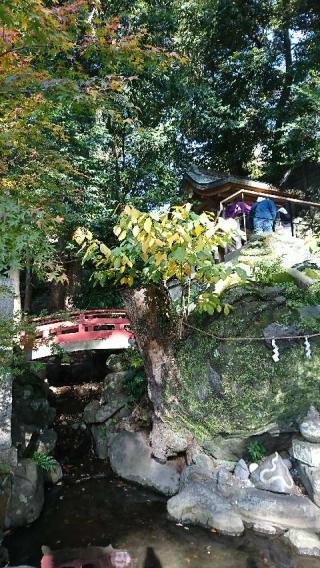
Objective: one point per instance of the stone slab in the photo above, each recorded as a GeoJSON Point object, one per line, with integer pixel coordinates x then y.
{"type": "Point", "coordinates": [310, 477]}
{"type": "Point", "coordinates": [305, 543]}
{"type": "Point", "coordinates": [306, 452]}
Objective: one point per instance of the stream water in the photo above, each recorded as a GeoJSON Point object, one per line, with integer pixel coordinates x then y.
{"type": "Point", "coordinates": [95, 507]}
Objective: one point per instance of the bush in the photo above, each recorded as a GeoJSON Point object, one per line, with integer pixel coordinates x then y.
{"type": "Point", "coordinates": [136, 387]}
{"type": "Point", "coordinates": [44, 461]}
{"type": "Point", "coordinates": [256, 451]}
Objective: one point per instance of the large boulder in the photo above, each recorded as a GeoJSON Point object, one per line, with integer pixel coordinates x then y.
{"type": "Point", "coordinates": [279, 510]}
{"type": "Point", "coordinates": [200, 504]}
{"type": "Point", "coordinates": [232, 390]}
{"type": "Point", "coordinates": [117, 362]}
{"type": "Point", "coordinates": [27, 495]}
{"type": "Point", "coordinates": [131, 458]}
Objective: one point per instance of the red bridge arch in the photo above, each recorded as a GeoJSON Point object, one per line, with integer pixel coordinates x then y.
{"type": "Point", "coordinates": [79, 331]}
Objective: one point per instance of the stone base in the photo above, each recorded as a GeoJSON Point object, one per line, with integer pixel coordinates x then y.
{"type": "Point", "coordinates": [306, 452]}
{"type": "Point", "coordinates": [310, 477]}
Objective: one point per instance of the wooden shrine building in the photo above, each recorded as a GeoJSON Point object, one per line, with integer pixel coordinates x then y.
{"type": "Point", "coordinates": [215, 191]}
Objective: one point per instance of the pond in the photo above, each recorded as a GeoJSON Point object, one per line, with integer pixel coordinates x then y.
{"type": "Point", "coordinates": [93, 506]}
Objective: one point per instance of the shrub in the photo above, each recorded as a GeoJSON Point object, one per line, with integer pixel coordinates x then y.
{"type": "Point", "coordinates": [136, 387]}
{"type": "Point", "coordinates": [256, 450]}
{"type": "Point", "coordinates": [44, 461]}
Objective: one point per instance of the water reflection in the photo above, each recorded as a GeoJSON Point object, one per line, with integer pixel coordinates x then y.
{"type": "Point", "coordinates": [103, 511]}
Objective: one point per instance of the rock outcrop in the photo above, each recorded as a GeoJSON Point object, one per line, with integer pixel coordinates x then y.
{"type": "Point", "coordinates": [220, 501]}
{"type": "Point", "coordinates": [131, 458]}
{"type": "Point", "coordinates": [231, 390]}
{"type": "Point", "coordinates": [27, 495]}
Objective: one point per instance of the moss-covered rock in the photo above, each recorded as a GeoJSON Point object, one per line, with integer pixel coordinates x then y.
{"type": "Point", "coordinates": [233, 387]}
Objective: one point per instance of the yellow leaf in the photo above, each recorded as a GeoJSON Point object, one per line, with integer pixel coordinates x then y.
{"type": "Point", "coordinates": [134, 214]}
{"type": "Point", "coordinates": [147, 225]}
{"type": "Point", "coordinates": [130, 280]}
{"type": "Point", "coordinates": [159, 257]}
{"type": "Point", "coordinates": [187, 269]}
{"type": "Point", "coordinates": [198, 230]}
{"type": "Point", "coordinates": [122, 235]}
{"type": "Point", "coordinates": [135, 230]}
{"type": "Point", "coordinates": [145, 245]}
{"type": "Point", "coordinates": [117, 230]}
{"type": "Point", "coordinates": [105, 250]}
{"type": "Point", "coordinates": [123, 280]}
{"type": "Point", "coordinates": [127, 210]}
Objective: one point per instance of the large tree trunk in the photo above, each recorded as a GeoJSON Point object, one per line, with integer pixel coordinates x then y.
{"type": "Point", "coordinates": [149, 312]}
{"type": "Point", "coordinates": [57, 297]}
{"type": "Point", "coordinates": [27, 291]}
{"type": "Point", "coordinates": [74, 273]}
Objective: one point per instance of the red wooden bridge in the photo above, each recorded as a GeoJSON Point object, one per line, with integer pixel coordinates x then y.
{"type": "Point", "coordinates": [80, 331]}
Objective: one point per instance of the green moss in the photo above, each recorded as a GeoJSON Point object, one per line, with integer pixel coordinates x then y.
{"type": "Point", "coordinates": [255, 390]}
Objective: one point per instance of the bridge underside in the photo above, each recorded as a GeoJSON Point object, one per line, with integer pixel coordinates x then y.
{"type": "Point", "coordinates": [115, 342]}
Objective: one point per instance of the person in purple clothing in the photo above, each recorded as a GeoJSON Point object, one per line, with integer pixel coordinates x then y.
{"type": "Point", "coordinates": [262, 215]}
{"type": "Point", "coordinates": [236, 209]}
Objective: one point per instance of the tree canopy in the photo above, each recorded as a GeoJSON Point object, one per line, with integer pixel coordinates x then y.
{"type": "Point", "coordinates": [106, 103]}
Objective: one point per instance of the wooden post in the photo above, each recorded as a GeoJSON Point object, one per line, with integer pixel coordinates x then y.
{"type": "Point", "coordinates": [244, 219]}
{"type": "Point", "coordinates": [291, 212]}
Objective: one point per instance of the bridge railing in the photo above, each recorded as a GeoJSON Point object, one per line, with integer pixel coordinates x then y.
{"type": "Point", "coordinates": [79, 326]}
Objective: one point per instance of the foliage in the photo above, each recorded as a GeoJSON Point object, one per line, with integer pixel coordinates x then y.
{"type": "Point", "coordinates": [44, 461]}
{"type": "Point", "coordinates": [12, 355]}
{"type": "Point", "coordinates": [133, 358]}
{"type": "Point", "coordinates": [107, 103]}
{"type": "Point", "coordinates": [267, 272]}
{"type": "Point", "coordinates": [136, 386]}
{"type": "Point", "coordinates": [67, 113]}
{"type": "Point", "coordinates": [256, 451]}
{"type": "Point", "coordinates": [26, 237]}
{"type": "Point", "coordinates": [158, 246]}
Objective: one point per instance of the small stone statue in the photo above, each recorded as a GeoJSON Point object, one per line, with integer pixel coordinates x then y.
{"type": "Point", "coordinates": [310, 426]}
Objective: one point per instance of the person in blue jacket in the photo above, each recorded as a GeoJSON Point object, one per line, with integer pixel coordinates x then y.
{"type": "Point", "coordinates": [262, 215]}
